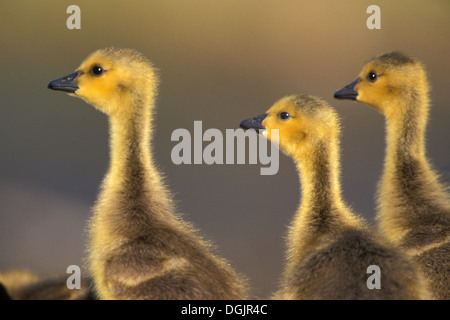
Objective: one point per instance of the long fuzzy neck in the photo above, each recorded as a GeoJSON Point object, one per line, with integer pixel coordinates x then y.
{"type": "Point", "coordinates": [405, 131]}
{"type": "Point", "coordinates": [322, 210]}
{"type": "Point", "coordinates": [320, 186]}
{"type": "Point", "coordinates": [130, 157]}
{"type": "Point", "coordinates": [133, 197]}
{"type": "Point", "coordinates": [409, 191]}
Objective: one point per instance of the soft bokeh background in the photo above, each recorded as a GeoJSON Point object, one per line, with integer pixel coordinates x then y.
{"type": "Point", "coordinates": [220, 62]}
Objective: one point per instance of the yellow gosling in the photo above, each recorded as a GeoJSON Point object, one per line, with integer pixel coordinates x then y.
{"type": "Point", "coordinates": [413, 207]}
{"type": "Point", "coordinates": [329, 248]}
{"type": "Point", "coordinates": [140, 247]}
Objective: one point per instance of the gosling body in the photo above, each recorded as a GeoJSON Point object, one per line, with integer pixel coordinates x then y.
{"type": "Point", "coordinates": [413, 206]}
{"type": "Point", "coordinates": [140, 246]}
{"type": "Point", "coordinates": [329, 248]}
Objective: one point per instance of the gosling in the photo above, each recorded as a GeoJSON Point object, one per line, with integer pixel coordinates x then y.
{"type": "Point", "coordinates": [413, 206]}
{"type": "Point", "coordinates": [140, 246]}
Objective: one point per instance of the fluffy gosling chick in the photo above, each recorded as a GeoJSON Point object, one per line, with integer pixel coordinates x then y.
{"type": "Point", "coordinates": [140, 247]}
{"type": "Point", "coordinates": [413, 206]}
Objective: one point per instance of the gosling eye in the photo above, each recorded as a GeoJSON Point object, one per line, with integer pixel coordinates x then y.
{"type": "Point", "coordinates": [372, 76]}
{"type": "Point", "coordinates": [284, 115]}
{"type": "Point", "coordinates": [97, 70]}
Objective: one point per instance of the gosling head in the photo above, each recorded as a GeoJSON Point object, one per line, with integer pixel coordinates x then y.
{"type": "Point", "coordinates": [303, 122]}
{"type": "Point", "coordinates": [387, 82]}
{"type": "Point", "coordinates": [112, 80]}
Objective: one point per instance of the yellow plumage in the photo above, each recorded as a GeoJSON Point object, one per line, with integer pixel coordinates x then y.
{"type": "Point", "coordinates": [140, 247]}
{"type": "Point", "coordinates": [413, 207]}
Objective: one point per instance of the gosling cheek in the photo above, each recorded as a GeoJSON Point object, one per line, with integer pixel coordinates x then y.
{"type": "Point", "coordinates": [360, 97]}
{"type": "Point", "coordinates": [364, 99]}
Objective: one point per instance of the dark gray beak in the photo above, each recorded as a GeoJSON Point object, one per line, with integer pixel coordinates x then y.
{"type": "Point", "coordinates": [65, 83]}
{"type": "Point", "coordinates": [348, 92]}
{"type": "Point", "coordinates": [254, 123]}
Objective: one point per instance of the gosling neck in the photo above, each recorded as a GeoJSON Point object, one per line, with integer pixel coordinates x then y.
{"type": "Point", "coordinates": [322, 210]}
{"type": "Point", "coordinates": [130, 156]}
{"type": "Point", "coordinates": [409, 184]}
{"type": "Point", "coordinates": [405, 131]}
{"type": "Point", "coordinates": [405, 160]}
{"type": "Point", "coordinates": [319, 172]}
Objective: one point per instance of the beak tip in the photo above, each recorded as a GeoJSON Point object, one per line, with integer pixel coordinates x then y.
{"type": "Point", "coordinates": [348, 92]}
{"type": "Point", "coordinates": [64, 84]}
{"type": "Point", "coordinates": [253, 123]}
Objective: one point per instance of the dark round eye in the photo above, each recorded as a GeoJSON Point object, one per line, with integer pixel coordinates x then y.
{"type": "Point", "coordinates": [284, 115]}
{"type": "Point", "coordinates": [372, 76]}
{"type": "Point", "coordinates": [97, 70]}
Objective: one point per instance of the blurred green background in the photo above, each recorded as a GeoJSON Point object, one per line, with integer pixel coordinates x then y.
{"type": "Point", "coordinates": [220, 61]}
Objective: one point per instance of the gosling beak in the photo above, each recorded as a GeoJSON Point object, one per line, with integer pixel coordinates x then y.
{"type": "Point", "coordinates": [348, 92]}
{"type": "Point", "coordinates": [65, 83]}
{"type": "Point", "coordinates": [254, 123]}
